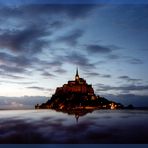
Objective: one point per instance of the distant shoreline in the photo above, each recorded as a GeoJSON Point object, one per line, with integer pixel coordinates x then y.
{"type": "Point", "coordinates": [135, 108]}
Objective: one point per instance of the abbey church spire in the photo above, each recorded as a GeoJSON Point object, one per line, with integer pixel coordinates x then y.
{"type": "Point", "coordinates": [77, 75]}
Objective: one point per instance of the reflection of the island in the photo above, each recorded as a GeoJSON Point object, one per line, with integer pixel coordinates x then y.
{"type": "Point", "coordinates": [94, 127]}
{"type": "Point", "coordinates": [76, 112]}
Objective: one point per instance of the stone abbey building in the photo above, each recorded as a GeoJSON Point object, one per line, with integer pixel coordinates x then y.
{"type": "Point", "coordinates": [79, 86]}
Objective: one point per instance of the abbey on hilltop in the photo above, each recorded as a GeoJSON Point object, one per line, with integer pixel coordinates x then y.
{"type": "Point", "coordinates": [78, 86]}
{"type": "Point", "coordinates": [77, 94]}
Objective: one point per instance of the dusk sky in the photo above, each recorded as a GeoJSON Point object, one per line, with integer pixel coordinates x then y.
{"type": "Point", "coordinates": [42, 44]}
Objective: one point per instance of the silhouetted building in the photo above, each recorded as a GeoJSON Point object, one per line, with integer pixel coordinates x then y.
{"type": "Point", "coordinates": [78, 85]}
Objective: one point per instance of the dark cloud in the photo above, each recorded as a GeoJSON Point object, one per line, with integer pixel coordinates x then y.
{"type": "Point", "coordinates": [95, 74]}
{"type": "Point", "coordinates": [127, 78]}
{"type": "Point", "coordinates": [98, 49]}
{"type": "Point", "coordinates": [14, 64]}
{"type": "Point", "coordinates": [78, 59]}
{"type": "Point", "coordinates": [47, 74]}
{"type": "Point", "coordinates": [71, 38]}
{"type": "Point", "coordinates": [33, 11]}
{"type": "Point", "coordinates": [15, 82]}
{"type": "Point", "coordinates": [144, 49]}
{"type": "Point", "coordinates": [14, 60]}
{"type": "Point", "coordinates": [52, 64]}
{"type": "Point", "coordinates": [39, 88]}
{"type": "Point", "coordinates": [57, 24]}
{"type": "Point", "coordinates": [27, 40]}
{"type": "Point", "coordinates": [72, 11]}
{"type": "Point", "coordinates": [106, 76]}
{"type": "Point", "coordinates": [11, 69]}
{"type": "Point", "coordinates": [60, 71]}
{"type": "Point", "coordinates": [128, 59]}
{"type": "Point", "coordinates": [133, 18]}
{"type": "Point", "coordinates": [102, 87]}
{"type": "Point", "coordinates": [92, 74]}
{"type": "Point", "coordinates": [113, 57]}
{"type": "Point", "coordinates": [122, 58]}
{"type": "Point", "coordinates": [11, 76]}
{"type": "Point", "coordinates": [6, 11]}
{"type": "Point", "coordinates": [135, 61]}
{"type": "Point", "coordinates": [55, 63]}
{"type": "Point", "coordinates": [124, 77]}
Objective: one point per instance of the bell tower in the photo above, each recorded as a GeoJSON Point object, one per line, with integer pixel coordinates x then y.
{"type": "Point", "coordinates": [77, 75]}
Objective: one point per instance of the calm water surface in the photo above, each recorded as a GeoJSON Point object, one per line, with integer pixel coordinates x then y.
{"type": "Point", "coordinates": [48, 126]}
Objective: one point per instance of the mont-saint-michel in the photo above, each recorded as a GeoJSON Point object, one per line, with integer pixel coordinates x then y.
{"type": "Point", "coordinates": [77, 94]}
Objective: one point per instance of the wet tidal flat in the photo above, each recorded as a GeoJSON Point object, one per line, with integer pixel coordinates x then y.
{"type": "Point", "coordinates": [49, 126]}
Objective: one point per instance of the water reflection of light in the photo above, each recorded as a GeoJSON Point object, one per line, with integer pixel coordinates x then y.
{"type": "Point", "coordinates": [49, 126]}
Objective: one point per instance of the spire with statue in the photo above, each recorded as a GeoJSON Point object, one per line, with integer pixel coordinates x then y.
{"type": "Point", "coordinates": [77, 75]}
